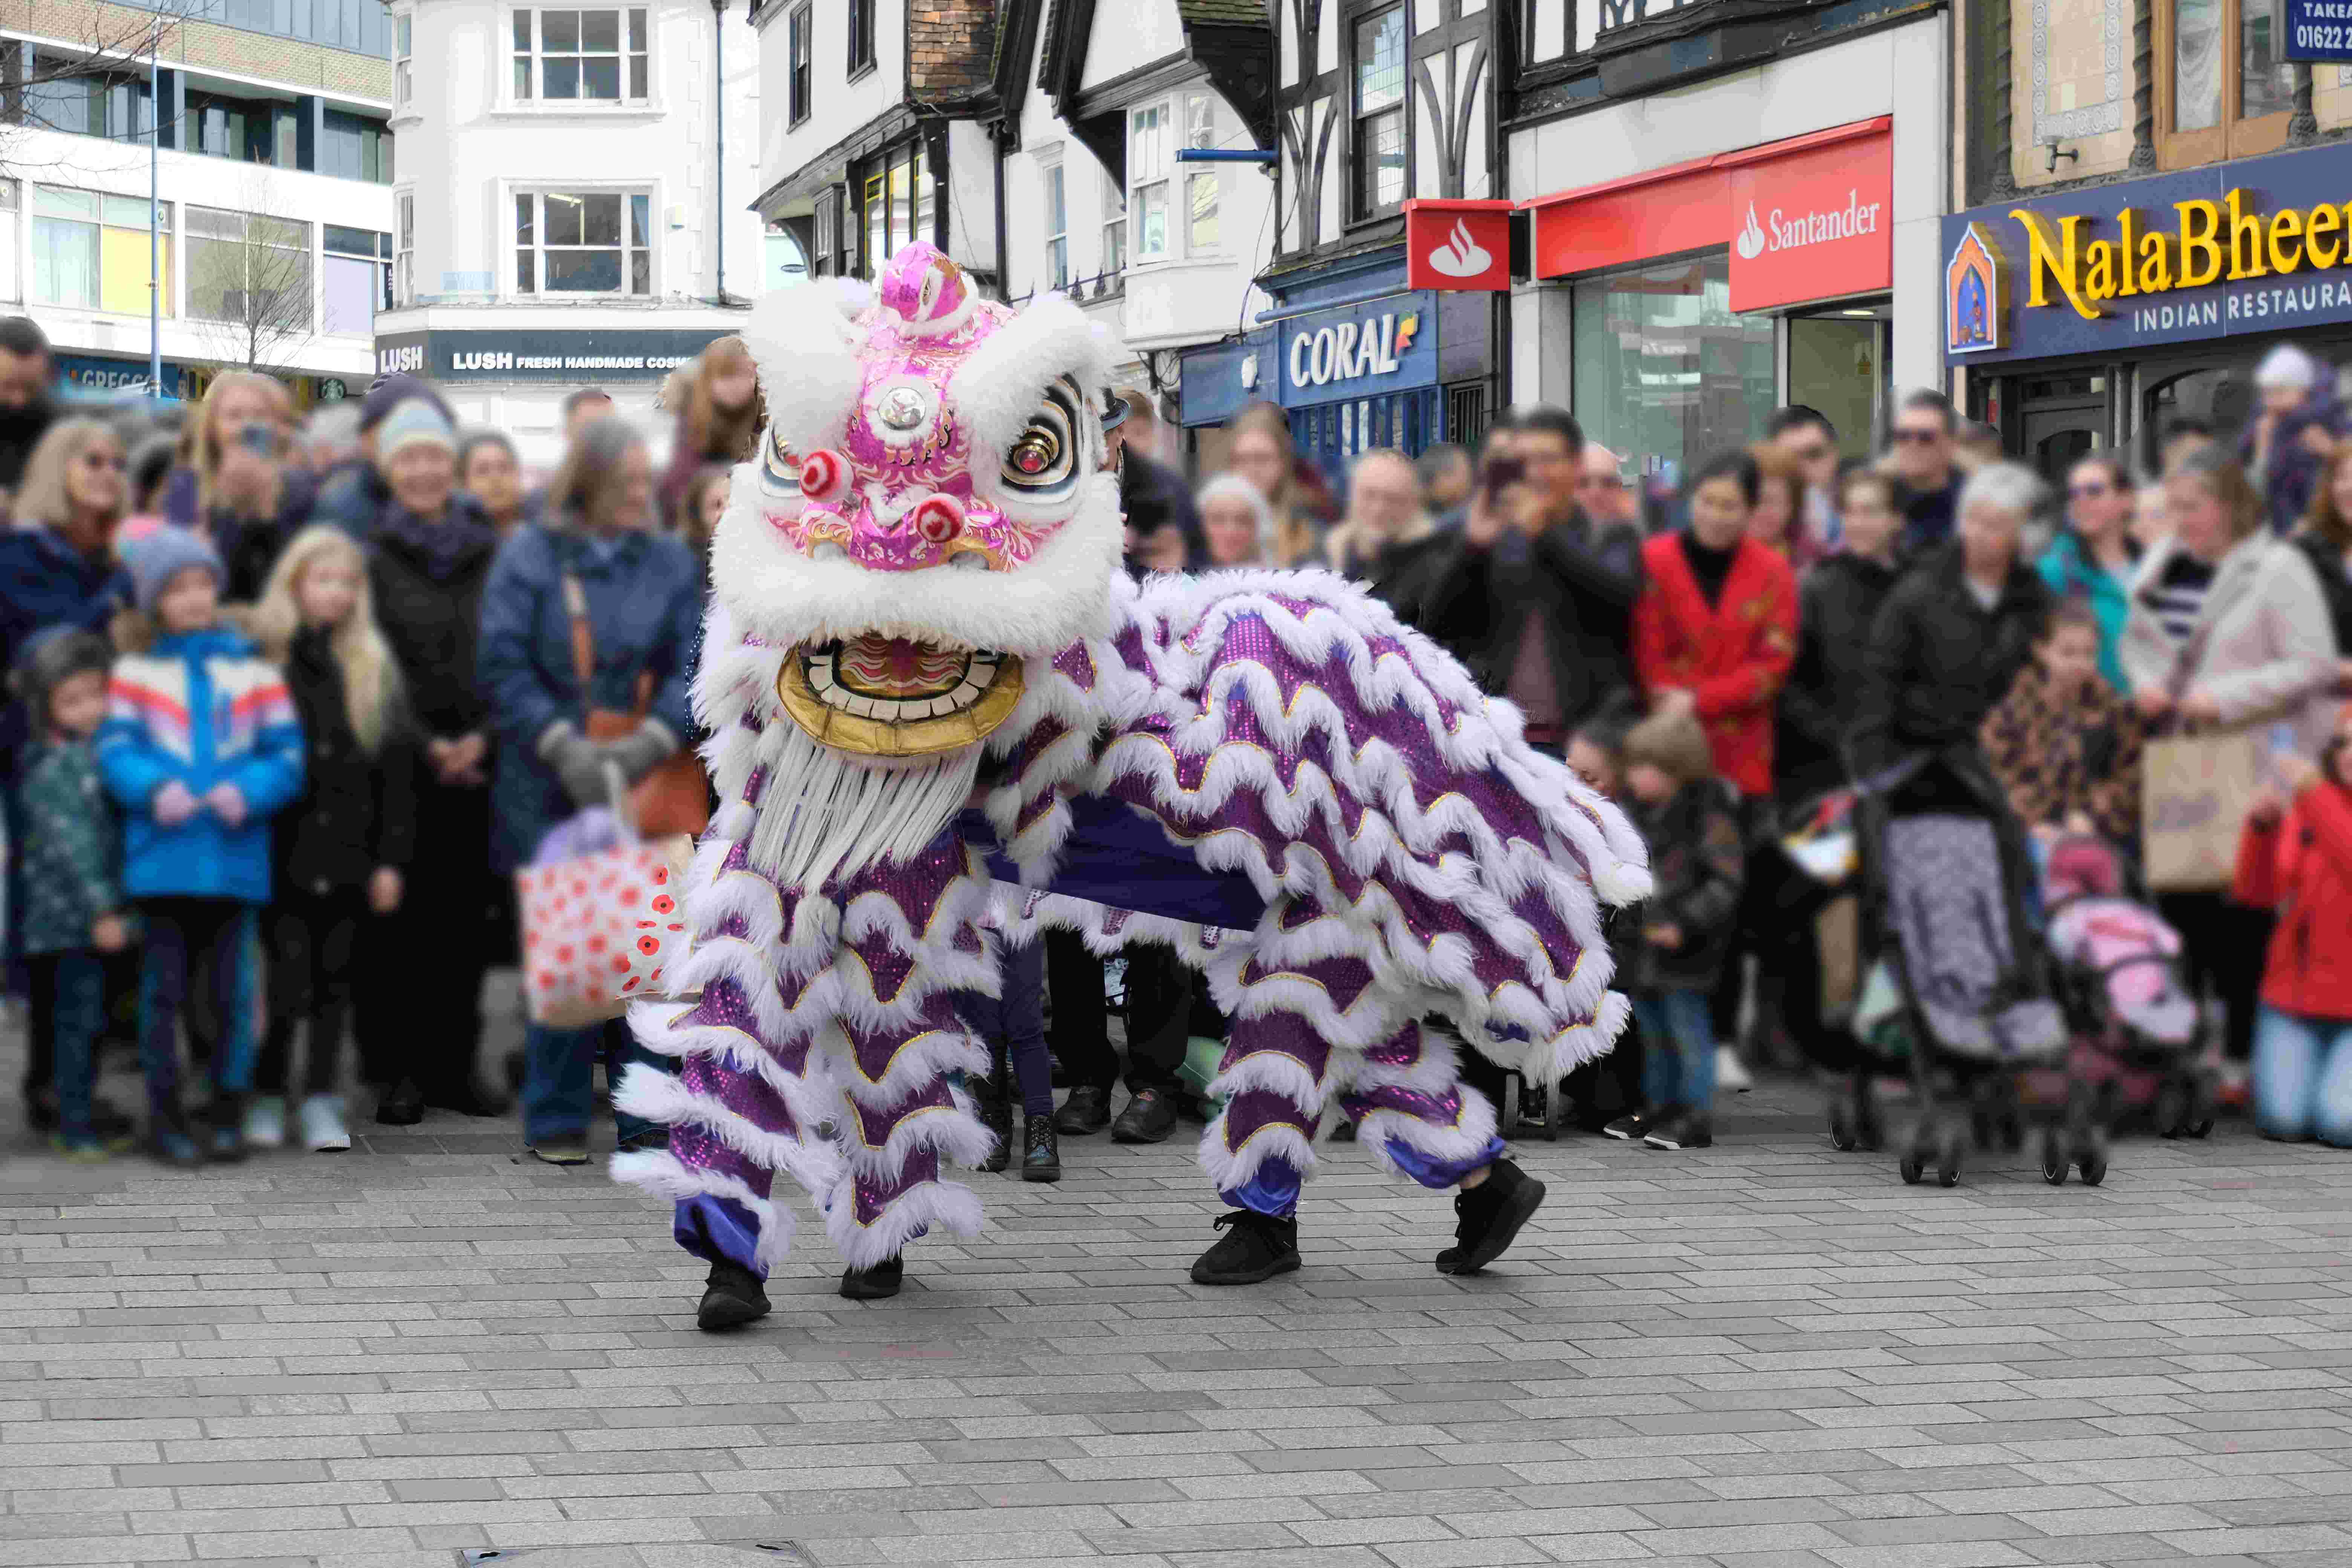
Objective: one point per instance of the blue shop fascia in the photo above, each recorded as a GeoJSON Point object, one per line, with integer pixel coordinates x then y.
{"type": "Point", "coordinates": [1356, 359]}
{"type": "Point", "coordinates": [2091, 319]}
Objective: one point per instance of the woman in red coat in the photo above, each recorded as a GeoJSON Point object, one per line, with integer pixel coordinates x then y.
{"type": "Point", "coordinates": [1714, 630]}
{"type": "Point", "coordinates": [2300, 861]}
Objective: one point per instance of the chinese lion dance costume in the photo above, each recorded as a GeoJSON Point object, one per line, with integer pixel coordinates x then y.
{"type": "Point", "coordinates": [918, 603]}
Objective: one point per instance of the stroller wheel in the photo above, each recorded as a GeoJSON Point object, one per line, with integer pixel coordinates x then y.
{"type": "Point", "coordinates": [2053, 1158]}
{"type": "Point", "coordinates": [1948, 1159]}
{"type": "Point", "coordinates": [1842, 1130]}
{"type": "Point", "coordinates": [2094, 1167]}
{"type": "Point", "coordinates": [1912, 1168]}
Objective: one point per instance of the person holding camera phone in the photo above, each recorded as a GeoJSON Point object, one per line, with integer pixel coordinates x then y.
{"type": "Point", "coordinates": [248, 501]}
{"type": "Point", "coordinates": [1535, 597]}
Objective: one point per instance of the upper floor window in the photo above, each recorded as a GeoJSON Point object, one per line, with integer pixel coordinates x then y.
{"type": "Point", "coordinates": [1161, 230]}
{"type": "Point", "coordinates": [587, 242]}
{"type": "Point", "coordinates": [2222, 90]}
{"type": "Point", "coordinates": [253, 130]}
{"type": "Point", "coordinates": [358, 271]}
{"type": "Point", "coordinates": [1379, 111]}
{"type": "Point", "coordinates": [861, 35]}
{"type": "Point", "coordinates": [569, 56]}
{"type": "Point", "coordinates": [898, 207]}
{"type": "Point", "coordinates": [353, 147]}
{"type": "Point", "coordinates": [249, 270]}
{"type": "Point", "coordinates": [801, 84]}
{"type": "Point", "coordinates": [89, 251]}
{"type": "Point", "coordinates": [95, 102]}
{"type": "Point", "coordinates": [403, 84]}
{"type": "Point", "coordinates": [1114, 231]}
{"type": "Point", "coordinates": [404, 258]}
{"type": "Point", "coordinates": [1057, 228]}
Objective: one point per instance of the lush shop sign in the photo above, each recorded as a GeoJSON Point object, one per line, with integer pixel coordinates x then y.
{"type": "Point", "coordinates": [2260, 246]}
{"type": "Point", "coordinates": [1358, 351]}
{"type": "Point", "coordinates": [595, 354]}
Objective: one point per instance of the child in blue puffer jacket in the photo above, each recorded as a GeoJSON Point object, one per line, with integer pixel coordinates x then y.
{"type": "Point", "coordinates": [200, 748]}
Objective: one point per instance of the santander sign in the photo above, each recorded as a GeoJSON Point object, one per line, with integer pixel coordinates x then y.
{"type": "Point", "coordinates": [1812, 223]}
{"type": "Point", "coordinates": [1454, 244]}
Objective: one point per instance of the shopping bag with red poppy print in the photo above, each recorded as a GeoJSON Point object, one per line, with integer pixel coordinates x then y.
{"type": "Point", "coordinates": [599, 927]}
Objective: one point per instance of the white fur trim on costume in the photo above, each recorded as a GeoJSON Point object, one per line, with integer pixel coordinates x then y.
{"type": "Point", "coordinates": [664, 1174]}
{"type": "Point", "coordinates": [1465, 1140]}
{"type": "Point", "coordinates": [1057, 599]}
{"type": "Point", "coordinates": [658, 1095]}
{"type": "Point", "coordinates": [930, 1206]}
{"type": "Point", "coordinates": [802, 340]}
{"type": "Point", "coordinates": [1227, 1169]}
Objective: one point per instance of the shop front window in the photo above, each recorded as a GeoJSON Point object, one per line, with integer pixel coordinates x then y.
{"type": "Point", "coordinates": [2222, 90]}
{"type": "Point", "coordinates": [1665, 373]}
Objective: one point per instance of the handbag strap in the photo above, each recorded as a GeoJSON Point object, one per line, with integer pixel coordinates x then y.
{"type": "Point", "coordinates": [583, 647]}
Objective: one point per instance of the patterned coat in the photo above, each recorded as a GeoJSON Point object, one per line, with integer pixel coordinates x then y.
{"type": "Point", "coordinates": [201, 709]}
{"type": "Point", "coordinates": [2054, 757]}
{"type": "Point", "coordinates": [72, 849]}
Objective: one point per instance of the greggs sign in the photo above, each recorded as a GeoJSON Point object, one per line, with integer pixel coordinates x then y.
{"type": "Point", "coordinates": [2260, 245]}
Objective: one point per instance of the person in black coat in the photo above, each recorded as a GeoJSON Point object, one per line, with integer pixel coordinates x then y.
{"type": "Point", "coordinates": [1838, 603]}
{"type": "Point", "coordinates": [2326, 540]}
{"type": "Point", "coordinates": [342, 851]}
{"type": "Point", "coordinates": [1386, 542]}
{"type": "Point", "coordinates": [429, 559]}
{"type": "Point", "coordinates": [1531, 595]}
{"type": "Point", "coordinates": [1951, 638]}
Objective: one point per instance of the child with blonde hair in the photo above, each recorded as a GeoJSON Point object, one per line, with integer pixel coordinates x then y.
{"type": "Point", "coordinates": [341, 850]}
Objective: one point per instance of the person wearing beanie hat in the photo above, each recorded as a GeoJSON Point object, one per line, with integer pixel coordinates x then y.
{"type": "Point", "coordinates": [200, 747]}
{"type": "Point", "coordinates": [72, 881]}
{"type": "Point", "coordinates": [2295, 423]}
{"type": "Point", "coordinates": [416, 422]}
{"type": "Point", "coordinates": [387, 393]}
{"type": "Point", "coordinates": [157, 557]}
{"type": "Point", "coordinates": [356, 497]}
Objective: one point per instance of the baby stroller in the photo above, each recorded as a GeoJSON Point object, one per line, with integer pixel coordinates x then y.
{"type": "Point", "coordinates": [2139, 1030]}
{"type": "Point", "coordinates": [1965, 986]}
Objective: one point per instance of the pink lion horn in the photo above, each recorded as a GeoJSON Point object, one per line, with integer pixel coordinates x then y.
{"type": "Point", "coordinates": [927, 292]}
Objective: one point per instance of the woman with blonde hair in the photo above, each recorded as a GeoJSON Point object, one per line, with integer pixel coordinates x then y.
{"type": "Point", "coordinates": [1260, 453]}
{"type": "Point", "coordinates": [235, 481]}
{"type": "Point", "coordinates": [2228, 630]}
{"type": "Point", "coordinates": [57, 566]}
{"type": "Point", "coordinates": [720, 414]}
{"type": "Point", "coordinates": [343, 849]}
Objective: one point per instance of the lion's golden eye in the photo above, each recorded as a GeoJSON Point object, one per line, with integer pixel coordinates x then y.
{"type": "Point", "coordinates": [1034, 453]}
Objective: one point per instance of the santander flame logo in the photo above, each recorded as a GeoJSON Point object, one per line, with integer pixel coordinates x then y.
{"type": "Point", "coordinates": [1750, 243]}
{"type": "Point", "coordinates": [1460, 256]}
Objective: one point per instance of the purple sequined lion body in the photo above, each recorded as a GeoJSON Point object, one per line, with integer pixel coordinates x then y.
{"type": "Point", "coordinates": [918, 603]}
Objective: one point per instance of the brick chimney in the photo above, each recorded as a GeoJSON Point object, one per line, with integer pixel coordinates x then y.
{"type": "Point", "coordinates": [950, 44]}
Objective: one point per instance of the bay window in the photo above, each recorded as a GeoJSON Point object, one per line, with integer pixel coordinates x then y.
{"type": "Point", "coordinates": [1378, 112]}
{"type": "Point", "coordinates": [1202, 186]}
{"type": "Point", "coordinates": [599, 56]}
{"type": "Point", "coordinates": [1114, 229]}
{"type": "Point", "coordinates": [1146, 176]}
{"type": "Point", "coordinates": [583, 242]}
{"type": "Point", "coordinates": [1172, 206]}
{"type": "Point", "coordinates": [897, 204]}
{"type": "Point", "coordinates": [1057, 230]}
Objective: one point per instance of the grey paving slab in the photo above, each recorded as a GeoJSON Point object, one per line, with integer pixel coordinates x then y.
{"type": "Point", "coordinates": [1766, 1356]}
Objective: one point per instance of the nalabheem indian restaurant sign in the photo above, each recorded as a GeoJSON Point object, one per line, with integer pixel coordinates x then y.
{"type": "Point", "coordinates": [2263, 245]}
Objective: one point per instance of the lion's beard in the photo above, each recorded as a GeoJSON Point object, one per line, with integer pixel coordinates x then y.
{"type": "Point", "coordinates": [825, 815]}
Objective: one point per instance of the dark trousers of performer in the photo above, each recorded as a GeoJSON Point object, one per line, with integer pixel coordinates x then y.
{"type": "Point", "coordinates": [1158, 1015]}
{"type": "Point", "coordinates": [1015, 1020]}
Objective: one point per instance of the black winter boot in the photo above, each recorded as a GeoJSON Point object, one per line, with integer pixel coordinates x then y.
{"type": "Point", "coordinates": [1256, 1248]}
{"type": "Point", "coordinates": [1490, 1215]}
{"type": "Point", "coordinates": [732, 1297]}
{"type": "Point", "coordinates": [878, 1283]}
{"type": "Point", "coordinates": [995, 1097]}
{"type": "Point", "coordinates": [1043, 1160]}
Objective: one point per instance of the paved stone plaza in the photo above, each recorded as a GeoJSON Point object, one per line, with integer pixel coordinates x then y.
{"type": "Point", "coordinates": [1767, 1355]}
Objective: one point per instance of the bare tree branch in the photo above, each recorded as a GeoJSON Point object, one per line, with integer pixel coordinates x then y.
{"type": "Point", "coordinates": [251, 295]}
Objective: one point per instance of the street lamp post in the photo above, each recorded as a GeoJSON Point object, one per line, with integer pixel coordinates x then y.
{"type": "Point", "coordinates": [154, 217]}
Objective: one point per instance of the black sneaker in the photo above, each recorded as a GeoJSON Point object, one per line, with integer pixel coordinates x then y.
{"type": "Point", "coordinates": [1041, 1162]}
{"type": "Point", "coordinates": [1086, 1110]}
{"type": "Point", "coordinates": [1258, 1248]}
{"type": "Point", "coordinates": [1632, 1128]}
{"type": "Point", "coordinates": [1148, 1117]}
{"type": "Point", "coordinates": [223, 1133]}
{"type": "Point", "coordinates": [1689, 1131]}
{"type": "Point", "coordinates": [1488, 1217]}
{"type": "Point", "coordinates": [401, 1105]}
{"type": "Point", "coordinates": [467, 1098]}
{"type": "Point", "coordinates": [41, 1108]}
{"type": "Point", "coordinates": [875, 1284]}
{"type": "Point", "coordinates": [732, 1297]}
{"type": "Point", "coordinates": [1533, 1103]}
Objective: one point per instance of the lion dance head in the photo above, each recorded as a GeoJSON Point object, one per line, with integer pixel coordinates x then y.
{"type": "Point", "coordinates": [929, 508]}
